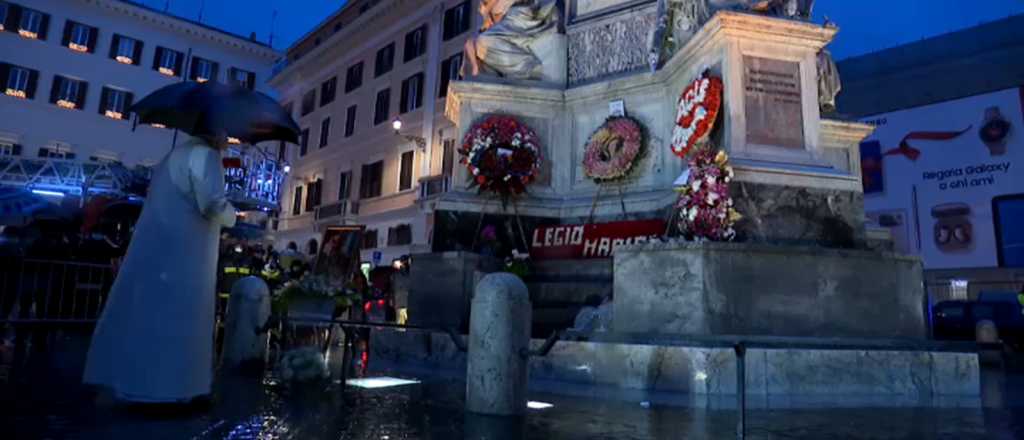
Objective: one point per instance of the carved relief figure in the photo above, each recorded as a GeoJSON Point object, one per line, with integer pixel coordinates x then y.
{"type": "Point", "coordinates": [503, 45]}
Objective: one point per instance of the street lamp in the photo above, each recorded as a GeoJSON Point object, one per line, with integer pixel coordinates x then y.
{"type": "Point", "coordinates": [420, 142]}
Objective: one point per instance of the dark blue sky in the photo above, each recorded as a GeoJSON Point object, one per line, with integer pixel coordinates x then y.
{"type": "Point", "coordinates": [866, 25]}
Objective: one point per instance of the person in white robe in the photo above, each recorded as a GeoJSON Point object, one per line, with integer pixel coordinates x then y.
{"type": "Point", "coordinates": [154, 341]}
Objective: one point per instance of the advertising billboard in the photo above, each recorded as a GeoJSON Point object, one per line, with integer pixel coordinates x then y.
{"type": "Point", "coordinates": [947, 180]}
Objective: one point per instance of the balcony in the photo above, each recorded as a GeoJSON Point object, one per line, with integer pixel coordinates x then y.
{"type": "Point", "coordinates": [336, 211]}
{"type": "Point", "coordinates": [434, 186]}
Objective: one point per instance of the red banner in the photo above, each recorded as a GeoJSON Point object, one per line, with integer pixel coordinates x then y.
{"type": "Point", "coordinates": [591, 241]}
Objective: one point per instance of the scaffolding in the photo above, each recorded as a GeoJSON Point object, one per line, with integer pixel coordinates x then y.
{"type": "Point", "coordinates": [254, 184]}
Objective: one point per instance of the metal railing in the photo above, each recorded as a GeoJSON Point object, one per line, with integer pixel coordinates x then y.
{"type": "Point", "coordinates": [434, 185]}
{"type": "Point", "coordinates": [339, 209]}
{"type": "Point", "coordinates": [52, 292]}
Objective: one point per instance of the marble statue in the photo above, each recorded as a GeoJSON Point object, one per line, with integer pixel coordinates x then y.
{"type": "Point", "coordinates": [829, 83]}
{"type": "Point", "coordinates": [503, 46]}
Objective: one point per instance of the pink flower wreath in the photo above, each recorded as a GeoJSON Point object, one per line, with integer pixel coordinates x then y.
{"type": "Point", "coordinates": [613, 149]}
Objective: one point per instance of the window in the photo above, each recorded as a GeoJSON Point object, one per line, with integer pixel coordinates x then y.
{"type": "Point", "coordinates": [415, 43]}
{"type": "Point", "coordinates": [456, 21]}
{"type": "Point", "coordinates": [33, 24]}
{"type": "Point", "coordinates": [303, 142]}
{"type": "Point", "coordinates": [114, 103]}
{"type": "Point", "coordinates": [19, 82]}
{"type": "Point", "coordinates": [68, 93]}
{"type": "Point", "coordinates": [79, 37]}
{"type": "Point", "coordinates": [57, 152]}
{"type": "Point", "coordinates": [313, 195]}
{"type": "Point", "coordinates": [203, 70]}
{"type": "Point", "coordinates": [400, 235]}
{"type": "Point", "coordinates": [354, 77]}
{"type": "Point", "coordinates": [297, 201]}
{"type": "Point", "coordinates": [328, 89]}
{"type": "Point", "coordinates": [309, 102]}
{"type": "Point", "coordinates": [370, 239]}
{"type": "Point", "coordinates": [412, 93]}
{"type": "Point", "coordinates": [168, 62]}
{"type": "Point", "coordinates": [405, 171]}
{"type": "Point", "coordinates": [125, 50]}
{"type": "Point", "coordinates": [325, 132]}
{"type": "Point", "coordinates": [6, 148]}
{"type": "Point", "coordinates": [371, 179]}
{"type": "Point", "coordinates": [5, 14]}
{"type": "Point", "coordinates": [350, 121]}
{"type": "Point", "coordinates": [344, 185]}
{"type": "Point", "coordinates": [451, 70]}
{"type": "Point", "coordinates": [448, 157]}
{"type": "Point", "coordinates": [382, 107]}
{"type": "Point", "coordinates": [385, 60]}
{"type": "Point", "coordinates": [243, 78]}
{"type": "Point", "coordinates": [1007, 212]}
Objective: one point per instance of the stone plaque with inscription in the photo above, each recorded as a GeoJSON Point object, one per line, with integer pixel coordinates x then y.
{"type": "Point", "coordinates": [774, 104]}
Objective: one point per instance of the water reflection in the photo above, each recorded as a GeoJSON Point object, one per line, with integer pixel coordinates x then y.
{"type": "Point", "coordinates": [43, 400]}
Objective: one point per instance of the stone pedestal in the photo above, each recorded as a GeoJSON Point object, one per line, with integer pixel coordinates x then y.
{"type": "Point", "coordinates": [757, 289]}
{"type": "Point", "coordinates": [441, 288]}
{"type": "Point", "coordinates": [770, 125]}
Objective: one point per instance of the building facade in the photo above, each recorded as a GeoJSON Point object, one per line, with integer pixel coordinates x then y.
{"type": "Point", "coordinates": [348, 82]}
{"type": "Point", "coordinates": [70, 69]}
{"type": "Point", "coordinates": [939, 169]}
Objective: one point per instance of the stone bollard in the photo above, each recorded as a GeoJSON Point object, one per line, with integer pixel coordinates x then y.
{"type": "Point", "coordinates": [499, 338]}
{"type": "Point", "coordinates": [245, 342]}
{"type": "Point", "coordinates": [993, 378]}
{"type": "Point", "coordinates": [985, 332]}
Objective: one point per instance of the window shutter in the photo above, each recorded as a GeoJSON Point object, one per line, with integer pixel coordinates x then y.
{"type": "Point", "coordinates": [137, 54]}
{"type": "Point", "coordinates": [13, 17]}
{"type": "Point", "coordinates": [251, 80]}
{"type": "Point", "coordinates": [16, 150]}
{"type": "Point", "coordinates": [128, 101]}
{"type": "Point", "coordinates": [192, 68]}
{"type": "Point", "coordinates": [213, 71]}
{"type": "Point", "coordinates": [115, 41]}
{"type": "Point", "coordinates": [44, 27]}
{"type": "Point", "coordinates": [68, 25]}
{"type": "Point", "coordinates": [94, 32]}
{"type": "Point", "coordinates": [465, 17]}
{"type": "Point", "coordinates": [83, 91]}
{"type": "Point", "coordinates": [104, 96]}
{"type": "Point", "coordinates": [55, 89]}
{"type": "Point", "coordinates": [157, 55]}
{"type": "Point", "coordinates": [404, 106]}
{"type": "Point", "coordinates": [5, 74]}
{"type": "Point", "coordinates": [179, 65]}
{"type": "Point", "coordinates": [33, 84]}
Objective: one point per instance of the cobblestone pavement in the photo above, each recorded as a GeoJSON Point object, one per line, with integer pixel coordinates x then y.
{"type": "Point", "coordinates": [41, 399]}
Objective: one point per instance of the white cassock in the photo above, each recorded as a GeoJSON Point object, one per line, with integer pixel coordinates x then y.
{"type": "Point", "coordinates": [154, 341]}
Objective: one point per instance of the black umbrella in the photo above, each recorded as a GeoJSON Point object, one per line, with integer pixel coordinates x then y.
{"type": "Point", "coordinates": [213, 108]}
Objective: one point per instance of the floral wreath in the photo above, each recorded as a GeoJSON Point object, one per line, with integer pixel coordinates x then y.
{"type": "Point", "coordinates": [705, 206]}
{"type": "Point", "coordinates": [613, 149]}
{"type": "Point", "coordinates": [696, 113]}
{"type": "Point", "coordinates": [502, 155]}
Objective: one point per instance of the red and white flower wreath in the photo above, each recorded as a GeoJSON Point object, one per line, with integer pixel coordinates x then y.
{"type": "Point", "coordinates": [696, 113]}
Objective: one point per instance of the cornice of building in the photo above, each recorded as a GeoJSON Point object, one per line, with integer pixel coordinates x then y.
{"type": "Point", "coordinates": [188, 27]}
{"type": "Point", "coordinates": [345, 37]}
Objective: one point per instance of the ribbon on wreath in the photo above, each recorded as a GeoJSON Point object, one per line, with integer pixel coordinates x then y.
{"type": "Point", "coordinates": [913, 153]}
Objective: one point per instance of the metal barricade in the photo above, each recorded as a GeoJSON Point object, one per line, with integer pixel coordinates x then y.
{"type": "Point", "coordinates": [52, 292]}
